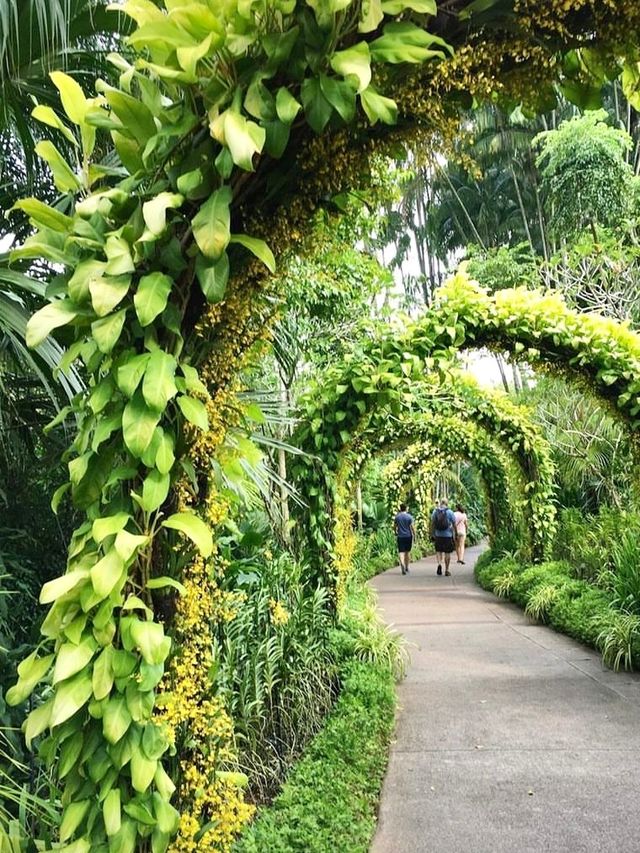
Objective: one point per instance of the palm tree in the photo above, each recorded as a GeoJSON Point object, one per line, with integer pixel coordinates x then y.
{"type": "Point", "coordinates": [37, 36]}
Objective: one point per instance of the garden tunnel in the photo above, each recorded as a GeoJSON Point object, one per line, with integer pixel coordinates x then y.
{"type": "Point", "coordinates": [381, 385]}
{"type": "Point", "coordinates": [418, 468]}
{"type": "Point", "coordinates": [451, 440]}
{"type": "Point", "coordinates": [452, 437]}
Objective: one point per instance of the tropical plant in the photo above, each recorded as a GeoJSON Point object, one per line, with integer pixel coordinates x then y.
{"type": "Point", "coordinates": [586, 180]}
{"type": "Point", "coordinates": [618, 641]}
{"type": "Point", "coordinates": [275, 670]}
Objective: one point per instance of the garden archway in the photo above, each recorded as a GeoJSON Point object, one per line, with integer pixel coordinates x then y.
{"type": "Point", "coordinates": [532, 324]}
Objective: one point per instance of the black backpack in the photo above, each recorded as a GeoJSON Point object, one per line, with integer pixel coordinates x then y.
{"type": "Point", "coordinates": [442, 520]}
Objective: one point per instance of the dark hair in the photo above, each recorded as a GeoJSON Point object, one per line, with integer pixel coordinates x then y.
{"type": "Point", "coordinates": [459, 507]}
{"type": "Point", "coordinates": [403, 507]}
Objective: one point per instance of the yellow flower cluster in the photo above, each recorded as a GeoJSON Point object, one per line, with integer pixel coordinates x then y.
{"type": "Point", "coordinates": [345, 538]}
{"type": "Point", "coordinates": [199, 721]}
{"type": "Point", "coordinates": [279, 613]}
{"type": "Point", "coordinates": [229, 814]}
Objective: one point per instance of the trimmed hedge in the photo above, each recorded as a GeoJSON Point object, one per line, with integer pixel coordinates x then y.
{"type": "Point", "coordinates": [570, 605]}
{"type": "Point", "coordinates": [328, 804]}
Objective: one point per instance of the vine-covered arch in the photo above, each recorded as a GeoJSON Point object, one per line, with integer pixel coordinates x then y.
{"type": "Point", "coordinates": [453, 440]}
{"type": "Point", "coordinates": [416, 471]}
{"type": "Point", "coordinates": [443, 411]}
{"type": "Point", "coordinates": [400, 479]}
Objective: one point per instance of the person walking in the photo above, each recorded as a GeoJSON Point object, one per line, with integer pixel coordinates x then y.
{"type": "Point", "coordinates": [442, 532]}
{"type": "Point", "coordinates": [462, 528]}
{"type": "Point", "coordinates": [404, 528]}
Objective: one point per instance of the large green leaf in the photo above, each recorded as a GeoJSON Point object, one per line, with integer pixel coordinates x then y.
{"type": "Point", "coordinates": [150, 639]}
{"type": "Point", "coordinates": [165, 456]}
{"type": "Point", "coordinates": [395, 7]}
{"type": "Point", "coordinates": [317, 108]}
{"type": "Point", "coordinates": [30, 671]}
{"type": "Point", "coordinates": [118, 252]}
{"type": "Point", "coordinates": [51, 317]}
{"type": "Point", "coordinates": [257, 247]}
{"type": "Point", "coordinates": [103, 676]}
{"type": "Point", "coordinates": [109, 525]}
{"type": "Point", "coordinates": [107, 573]}
{"type": "Point", "coordinates": [151, 296]}
{"type": "Point", "coordinates": [72, 817]}
{"type": "Point", "coordinates": [194, 411]}
{"type": "Point", "coordinates": [48, 116]}
{"type": "Point", "coordinates": [287, 107]}
{"type": "Point", "coordinates": [116, 719]}
{"type": "Point", "coordinates": [213, 277]}
{"type": "Point", "coordinates": [108, 292]}
{"type": "Point", "coordinates": [405, 42]}
{"type": "Point", "coordinates": [85, 273]}
{"type": "Point", "coordinates": [111, 812]}
{"type": "Point", "coordinates": [138, 424]}
{"type": "Point", "coordinates": [211, 225]}
{"type": "Point", "coordinates": [137, 119]}
{"type": "Point", "coordinates": [72, 658]}
{"type": "Point", "coordinates": [107, 330]}
{"type": "Point", "coordinates": [159, 385]}
{"type": "Point", "coordinates": [130, 372]}
{"type": "Point", "coordinates": [71, 94]}
{"type": "Point", "coordinates": [43, 216]}
{"type": "Point", "coordinates": [155, 211]}
{"type": "Point", "coordinates": [193, 527]}
{"type": "Point", "coordinates": [155, 490]}
{"type": "Point", "coordinates": [71, 696]}
{"type": "Point", "coordinates": [143, 770]}
{"type": "Point", "coordinates": [243, 138]}
{"type": "Point", "coordinates": [37, 721]}
{"type": "Point", "coordinates": [354, 64]}
{"type": "Point", "coordinates": [63, 176]}
{"type": "Point", "coordinates": [378, 107]}
{"type": "Point", "coordinates": [58, 587]}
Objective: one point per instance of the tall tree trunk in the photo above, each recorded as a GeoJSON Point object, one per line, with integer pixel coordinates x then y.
{"type": "Point", "coordinates": [523, 212]}
{"type": "Point", "coordinates": [475, 231]}
{"type": "Point", "coordinates": [503, 373]}
{"type": "Point", "coordinates": [517, 382]}
{"type": "Point", "coordinates": [282, 471]}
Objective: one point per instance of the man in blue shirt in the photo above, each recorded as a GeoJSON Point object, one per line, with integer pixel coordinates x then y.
{"type": "Point", "coordinates": [405, 531]}
{"type": "Point", "coordinates": [443, 525]}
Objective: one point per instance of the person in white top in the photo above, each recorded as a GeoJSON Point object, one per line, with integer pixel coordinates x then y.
{"type": "Point", "coordinates": [462, 524]}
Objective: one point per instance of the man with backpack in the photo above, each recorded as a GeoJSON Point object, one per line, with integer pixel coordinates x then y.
{"type": "Point", "coordinates": [442, 532]}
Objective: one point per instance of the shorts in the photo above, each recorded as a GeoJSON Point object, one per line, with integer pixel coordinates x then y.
{"type": "Point", "coordinates": [404, 544]}
{"type": "Point", "coordinates": [444, 544]}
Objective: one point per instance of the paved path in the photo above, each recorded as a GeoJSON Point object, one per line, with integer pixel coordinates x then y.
{"type": "Point", "coordinates": [509, 737]}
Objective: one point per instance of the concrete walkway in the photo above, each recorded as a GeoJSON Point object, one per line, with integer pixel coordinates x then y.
{"type": "Point", "coordinates": [509, 737]}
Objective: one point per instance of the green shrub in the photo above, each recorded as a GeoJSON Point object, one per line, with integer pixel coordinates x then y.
{"type": "Point", "coordinates": [625, 583]}
{"type": "Point", "coordinates": [541, 600]}
{"type": "Point", "coordinates": [581, 611]}
{"type": "Point", "coordinates": [555, 573]}
{"type": "Point", "coordinates": [372, 640]}
{"type": "Point", "coordinates": [328, 804]}
{"type": "Point", "coordinates": [488, 570]}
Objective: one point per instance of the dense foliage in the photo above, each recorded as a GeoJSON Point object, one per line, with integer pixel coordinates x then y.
{"type": "Point", "coordinates": [171, 188]}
